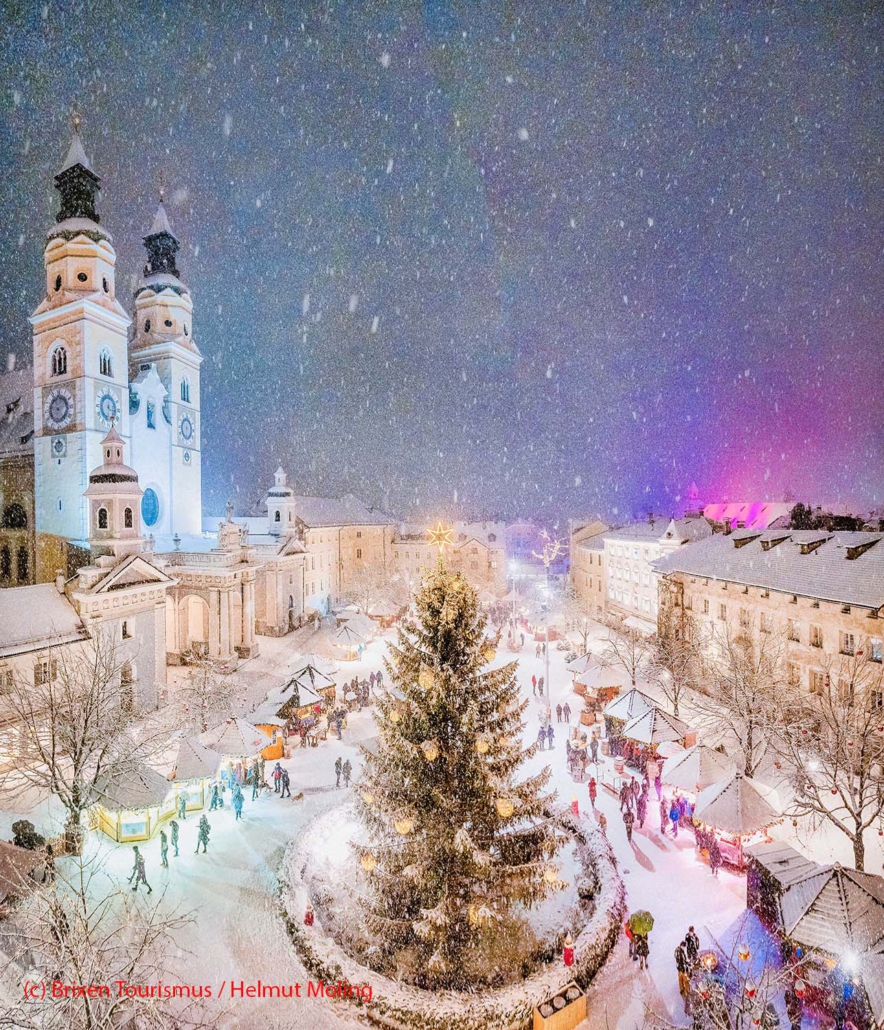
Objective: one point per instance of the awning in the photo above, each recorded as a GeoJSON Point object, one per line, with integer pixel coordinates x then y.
{"type": "Point", "coordinates": [738, 804]}
{"type": "Point", "coordinates": [697, 768]}
{"type": "Point", "coordinates": [655, 726]}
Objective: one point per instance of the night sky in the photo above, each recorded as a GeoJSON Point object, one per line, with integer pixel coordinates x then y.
{"type": "Point", "coordinates": [532, 258]}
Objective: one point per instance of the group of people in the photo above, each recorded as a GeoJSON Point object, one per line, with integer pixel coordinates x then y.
{"type": "Point", "coordinates": [639, 946]}
{"type": "Point", "coordinates": [687, 959]}
{"type": "Point", "coordinates": [562, 710]}
{"type": "Point", "coordinates": [138, 875]}
{"type": "Point", "coordinates": [634, 803]}
{"type": "Point", "coordinates": [546, 735]}
{"type": "Point", "coordinates": [537, 686]}
{"type": "Point", "coordinates": [344, 769]}
{"type": "Point", "coordinates": [540, 650]}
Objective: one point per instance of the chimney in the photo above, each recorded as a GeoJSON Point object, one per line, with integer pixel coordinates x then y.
{"type": "Point", "coordinates": [59, 581]}
{"type": "Point", "coordinates": [10, 362]}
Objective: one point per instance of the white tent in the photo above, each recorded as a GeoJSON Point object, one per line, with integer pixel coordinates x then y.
{"type": "Point", "coordinates": [655, 726]}
{"type": "Point", "coordinates": [325, 665]}
{"type": "Point", "coordinates": [629, 705]}
{"type": "Point", "coordinates": [360, 623]}
{"type": "Point", "coordinates": [578, 666]}
{"type": "Point", "coordinates": [347, 638]}
{"type": "Point", "coordinates": [487, 599]}
{"type": "Point", "coordinates": [836, 910]}
{"type": "Point", "coordinates": [310, 678]}
{"type": "Point", "coordinates": [191, 760]}
{"type": "Point", "coordinates": [697, 768]}
{"type": "Point", "coordinates": [738, 805]}
{"type": "Point", "coordinates": [236, 738]}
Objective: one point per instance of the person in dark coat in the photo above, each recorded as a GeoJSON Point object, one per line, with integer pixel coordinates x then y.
{"type": "Point", "coordinates": [541, 737]}
{"type": "Point", "coordinates": [277, 776]}
{"type": "Point", "coordinates": [641, 810]}
{"type": "Point", "coordinates": [338, 768]}
{"type": "Point", "coordinates": [237, 805]}
{"type": "Point", "coordinates": [692, 947]}
{"type": "Point", "coordinates": [683, 967]}
{"type": "Point", "coordinates": [256, 780]}
{"type": "Point", "coordinates": [216, 801]}
{"type": "Point", "coordinates": [164, 849]}
{"type": "Point", "coordinates": [202, 836]}
{"type": "Point", "coordinates": [715, 859]}
{"type": "Point", "coordinates": [173, 826]}
{"type": "Point", "coordinates": [628, 820]}
{"type": "Point", "coordinates": [658, 786]}
{"type": "Point", "coordinates": [182, 806]}
{"type": "Point", "coordinates": [566, 711]}
{"type": "Point", "coordinates": [625, 797]}
{"type": "Point", "coordinates": [594, 749]}
{"type": "Point", "coordinates": [49, 865]}
{"type": "Point", "coordinates": [642, 950]}
{"type": "Point", "coordinates": [551, 736]}
{"type": "Point", "coordinates": [558, 713]}
{"type": "Point", "coordinates": [664, 815]}
{"type": "Point", "coordinates": [138, 872]}
{"type": "Point", "coordinates": [347, 770]}
{"type": "Point", "coordinates": [285, 791]}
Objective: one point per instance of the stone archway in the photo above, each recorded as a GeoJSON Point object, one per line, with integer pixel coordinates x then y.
{"type": "Point", "coordinates": [193, 622]}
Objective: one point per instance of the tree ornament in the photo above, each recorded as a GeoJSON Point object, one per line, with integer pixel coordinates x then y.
{"type": "Point", "coordinates": [482, 745]}
{"type": "Point", "coordinates": [800, 988]}
{"type": "Point", "coordinates": [426, 678]}
{"type": "Point", "coordinates": [430, 749]}
{"type": "Point", "coordinates": [489, 654]}
{"type": "Point", "coordinates": [368, 862]}
{"type": "Point", "coordinates": [750, 988]}
{"type": "Point", "coordinates": [744, 953]}
{"type": "Point", "coordinates": [505, 807]}
{"type": "Point", "coordinates": [394, 715]}
{"type": "Point", "coordinates": [368, 797]}
{"type": "Point", "coordinates": [308, 915]}
{"type": "Point", "coordinates": [550, 874]}
{"type": "Point", "coordinates": [404, 825]}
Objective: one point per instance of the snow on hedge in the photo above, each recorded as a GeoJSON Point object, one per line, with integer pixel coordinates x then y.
{"type": "Point", "coordinates": [399, 1005]}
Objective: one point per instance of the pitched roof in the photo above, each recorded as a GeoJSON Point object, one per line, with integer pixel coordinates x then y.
{"type": "Point", "coordinates": [737, 804]}
{"type": "Point", "coordinates": [36, 617]}
{"type": "Point", "coordinates": [847, 568]}
{"type": "Point", "coordinates": [17, 412]}
{"type": "Point", "coordinates": [639, 531]}
{"type": "Point", "coordinates": [161, 222]}
{"type": "Point", "coordinates": [687, 530]}
{"type": "Point", "coordinates": [836, 909]}
{"type": "Point", "coordinates": [76, 156]}
{"type": "Point", "coordinates": [756, 515]}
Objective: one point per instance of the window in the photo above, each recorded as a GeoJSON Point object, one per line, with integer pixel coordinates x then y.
{"type": "Point", "coordinates": [875, 649]}
{"type": "Point", "coordinates": [151, 415]}
{"type": "Point", "coordinates": [185, 329]}
{"type": "Point", "coordinates": [14, 517]}
{"type": "Point", "coordinates": [744, 618]}
{"type": "Point", "coordinates": [793, 674]}
{"type": "Point", "coordinates": [59, 361]}
{"type": "Point", "coordinates": [127, 518]}
{"type": "Point", "coordinates": [105, 286]}
{"type": "Point", "coordinates": [816, 636]}
{"type": "Point", "coordinates": [147, 325]}
{"type": "Point", "coordinates": [817, 681]}
{"type": "Point", "coordinates": [7, 680]}
{"type": "Point", "coordinates": [358, 533]}
{"type": "Point", "coordinates": [105, 363]}
{"type": "Point", "coordinates": [876, 700]}
{"type": "Point", "coordinates": [23, 564]}
{"type": "Point", "coordinates": [82, 277]}
{"type": "Point", "coordinates": [277, 516]}
{"type": "Point", "coordinates": [45, 670]}
{"type": "Point", "coordinates": [102, 518]}
{"type": "Point", "coordinates": [765, 622]}
{"type": "Point", "coordinates": [848, 644]}
{"type": "Point", "coordinates": [150, 507]}
{"type": "Point", "coordinates": [646, 578]}
{"type": "Point", "coordinates": [705, 605]}
{"type": "Point", "coordinates": [185, 390]}
{"type": "Point", "coordinates": [127, 634]}
{"type": "Point", "coordinates": [358, 552]}
{"type": "Point", "coordinates": [793, 629]}
{"type": "Point", "coordinates": [57, 283]}
{"type": "Point", "coordinates": [5, 563]}
{"type": "Point", "coordinates": [722, 612]}
{"type": "Point", "coordinates": [167, 323]}
{"type": "Point", "coordinates": [635, 600]}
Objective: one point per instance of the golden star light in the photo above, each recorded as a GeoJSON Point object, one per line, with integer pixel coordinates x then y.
{"type": "Point", "coordinates": [441, 536]}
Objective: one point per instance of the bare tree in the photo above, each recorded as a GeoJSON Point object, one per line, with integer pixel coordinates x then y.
{"type": "Point", "coordinates": [743, 676]}
{"type": "Point", "coordinates": [371, 585]}
{"type": "Point", "coordinates": [627, 649]}
{"type": "Point", "coordinates": [833, 745]}
{"type": "Point", "coordinates": [576, 615]}
{"type": "Point", "coordinates": [204, 698]}
{"type": "Point", "coordinates": [73, 723]}
{"type": "Point", "coordinates": [675, 662]}
{"type": "Point", "coordinates": [83, 929]}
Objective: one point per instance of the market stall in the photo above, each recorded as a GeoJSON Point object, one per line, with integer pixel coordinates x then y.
{"type": "Point", "coordinates": [238, 742]}
{"type": "Point", "coordinates": [385, 613]}
{"type": "Point", "coordinates": [738, 810]}
{"type": "Point", "coordinates": [597, 683]}
{"type": "Point", "coordinates": [133, 802]}
{"type": "Point", "coordinates": [349, 642]}
{"type": "Point", "coordinates": [316, 661]}
{"type": "Point", "coordinates": [312, 682]}
{"type": "Point", "coordinates": [772, 867]}
{"type": "Point", "coordinates": [696, 768]}
{"type": "Point", "coordinates": [642, 735]}
{"type": "Point", "coordinates": [359, 622]}
{"type": "Point", "coordinates": [192, 766]}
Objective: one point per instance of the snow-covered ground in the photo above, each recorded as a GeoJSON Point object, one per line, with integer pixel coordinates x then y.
{"type": "Point", "coordinates": [238, 933]}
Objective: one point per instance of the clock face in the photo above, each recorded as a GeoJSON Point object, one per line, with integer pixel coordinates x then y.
{"type": "Point", "coordinates": [59, 409]}
{"type": "Point", "coordinates": [185, 427]}
{"type": "Point", "coordinates": [107, 409]}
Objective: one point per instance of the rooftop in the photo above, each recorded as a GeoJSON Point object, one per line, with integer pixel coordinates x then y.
{"type": "Point", "coordinates": [639, 530]}
{"type": "Point", "coordinates": [17, 412]}
{"type": "Point", "coordinates": [847, 568]}
{"type": "Point", "coordinates": [33, 618]}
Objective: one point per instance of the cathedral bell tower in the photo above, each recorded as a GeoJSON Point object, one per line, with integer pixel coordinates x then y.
{"type": "Point", "coordinates": [114, 500]}
{"type": "Point", "coordinates": [81, 369]}
{"type": "Point", "coordinates": [163, 340]}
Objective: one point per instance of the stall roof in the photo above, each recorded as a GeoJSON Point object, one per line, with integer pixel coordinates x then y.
{"type": "Point", "coordinates": [738, 804]}
{"type": "Point", "coordinates": [873, 981]}
{"type": "Point", "coordinates": [655, 726]}
{"type": "Point", "coordinates": [132, 785]}
{"type": "Point", "coordinates": [192, 761]}
{"type": "Point", "coordinates": [347, 637]}
{"type": "Point", "coordinates": [697, 768]}
{"type": "Point", "coordinates": [235, 738]}
{"type": "Point", "coordinates": [16, 866]}
{"type": "Point", "coordinates": [836, 909]}
{"type": "Point", "coordinates": [782, 861]}
{"type": "Point", "coordinates": [629, 705]}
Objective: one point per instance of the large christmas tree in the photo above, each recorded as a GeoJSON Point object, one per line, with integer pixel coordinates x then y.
{"type": "Point", "coordinates": [456, 844]}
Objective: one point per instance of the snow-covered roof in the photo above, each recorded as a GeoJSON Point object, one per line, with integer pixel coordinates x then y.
{"type": "Point", "coordinates": [627, 706]}
{"type": "Point", "coordinates": [687, 530]}
{"type": "Point", "coordinates": [738, 804]}
{"type": "Point", "coordinates": [846, 567]}
{"type": "Point", "coordinates": [160, 222]}
{"type": "Point", "coordinates": [753, 514]}
{"type": "Point", "coordinates": [131, 785]}
{"type": "Point", "coordinates": [235, 738]}
{"type": "Point", "coordinates": [76, 156]}
{"type": "Point", "coordinates": [639, 531]}
{"type": "Point", "coordinates": [74, 225]}
{"type": "Point", "coordinates": [836, 910]}
{"type": "Point", "coordinates": [782, 861]}
{"type": "Point", "coordinates": [655, 726]}
{"type": "Point", "coordinates": [191, 760]}
{"type": "Point", "coordinates": [697, 768]}
{"type": "Point", "coordinates": [33, 618]}
{"type": "Point", "coordinates": [347, 637]}
{"type": "Point", "coordinates": [17, 412]}
{"type": "Point", "coordinates": [592, 543]}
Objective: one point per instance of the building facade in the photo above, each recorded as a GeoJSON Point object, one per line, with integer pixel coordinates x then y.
{"type": "Point", "coordinates": [478, 551]}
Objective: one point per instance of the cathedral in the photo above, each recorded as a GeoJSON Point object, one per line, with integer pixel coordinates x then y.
{"type": "Point", "coordinates": [101, 520]}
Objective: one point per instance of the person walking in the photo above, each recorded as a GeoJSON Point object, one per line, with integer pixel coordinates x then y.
{"type": "Point", "coordinates": [566, 711]}
{"type": "Point", "coordinates": [237, 805]}
{"type": "Point", "coordinates": [202, 836]}
{"type": "Point", "coordinates": [551, 736]}
{"type": "Point", "coordinates": [593, 791]}
{"type": "Point", "coordinates": [347, 770]}
{"type": "Point", "coordinates": [256, 781]}
{"type": "Point", "coordinates": [277, 776]}
{"type": "Point", "coordinates": [182, 806]}
{"type": "Point", "coordinates": [642, 950]}
{"type": "Point", "coordinates": [673, 817]}
{"type": "Point", "coordinates": [658, 786]}
{"type": "Point", "coordinates": [664, 815]}
{"type": "Point", "coordinates": [537, 651]}
{"type": "Point", "coordinates": [603, 822]}
{"type": "Point", "coordinates": [641, 810]}
{"type": "Point", "coordinates": [681, 964]}
{"type": "Point", "coordinates": [173, 826]}
{"type": "Point", "coordinates": [715, 859]}
{"type": "Point", "coordinates": [522, 638]}
{"type": "Point", "coordinates": [138, 873]}
{"type": "Point", "coordinates": [540, 685]}
{"type": "Point", "coordinates": [285, 781]}
{"type": "Point", "coordinates": [216, 801]}
{"type": "Point", "coordinates": [541, 736]}
{"type": "Point", "coordinates": [594, 750]}
{"type": "Point", "coordinates": [338, 769]}
{"type": "Point", "coordinates": [534, 684]}
{"type": "Point", "coordinates": [164, 849]}
{"type": "Point", "coordinates": [692, 947]}
{"type": "Point", "coordinates": [558, 713]}
{"type": "Point", "coordinates": [628, 820]}
{"type": "Point", "coordinates": [339, 725]}
{"type": "Point", "coordinates": [625, 796]}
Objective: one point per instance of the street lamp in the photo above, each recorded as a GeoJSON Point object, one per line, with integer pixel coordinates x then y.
{"type": "Point", "coordinates": [512, 568]}
{"type": "Point", "coordinates": [551, 549]}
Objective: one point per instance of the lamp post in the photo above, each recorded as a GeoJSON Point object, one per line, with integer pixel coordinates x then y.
{"type": "Point", "coordinates": [513, 580]}
{"type": "Point", "coordinates": [551, 549]}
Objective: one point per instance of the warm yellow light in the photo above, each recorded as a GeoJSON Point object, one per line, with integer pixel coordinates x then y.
{"type": "Point", "coordinates": [404, 825]}
{"type": "Point", "coordinates": [368, 797]}
{"type": "Point", "coordinates": [489, 654]}
{"type": "Point", "coordinates": [743, 952]}
{"type": "Point", "coordinates": [367, 862]}
{"type": "Point", "coordinates": [394, 715]}
{"type": "Point", "coordinates": [430, 749]}
{"type": "Point", "coordinates": [425, 679]}
{"type": "Point", "coordinates": [550, 875]}
{"type": "Point", "coordinates": [505, 808]}
{"type": "Point", "coordinates": [441, 536]}
{"type": "Point", "coordinates": [482, 745]}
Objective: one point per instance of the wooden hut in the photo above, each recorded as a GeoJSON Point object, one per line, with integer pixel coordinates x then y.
{"type": "Point", "coordinates": [133, 802]}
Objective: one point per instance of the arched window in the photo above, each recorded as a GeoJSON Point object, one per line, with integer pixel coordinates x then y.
{"type": "Point", "coordinates": [59, 361]}
{"type": "Point", "coordinates": [102, 518]}
{"type": "Point", "coordinates": [106, 363]}
{"type": "Point", "coordinates": [15, 516]}
{"type": "Point", "coordinates": [57, 283]}
{"type": "Point", "coordinates": [127, 518]}
{"type": "Point", "coordinates": [150, 507]}
{"type": "Point", "coordinates": [23, 565]}
{"type": "Point", "coordinates": [151, 415]}
{"type": "Point", "coordinates": [276, 517]}
{"type": "Point", "coordinates": [185, 390]}
{"type": "Point", "coordinates": [5, 563]}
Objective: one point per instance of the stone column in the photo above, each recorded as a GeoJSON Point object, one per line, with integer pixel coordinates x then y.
{"type": "Point", "coordinates": [248, 613]}
{"type": "Point", "coordinates": [215, 610]}
{"type": "Point", "coordinates": [235, 628]}
{"type": "Point", "coordinates": [225, 623]}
